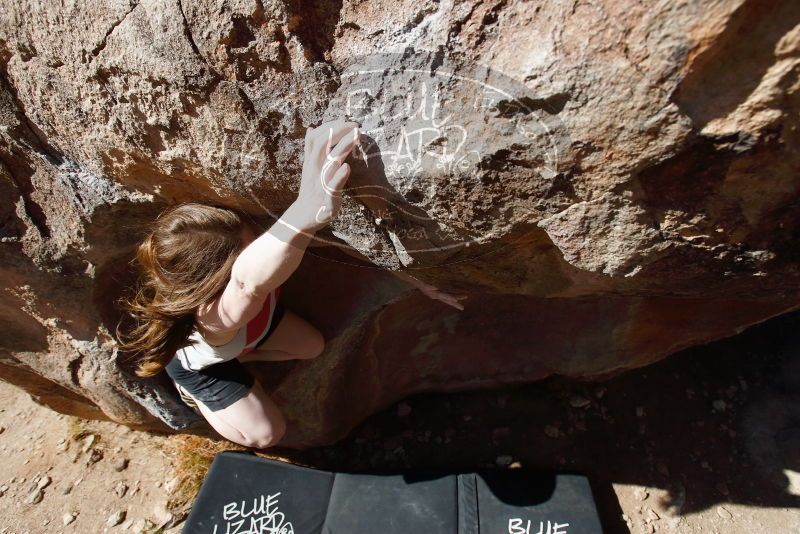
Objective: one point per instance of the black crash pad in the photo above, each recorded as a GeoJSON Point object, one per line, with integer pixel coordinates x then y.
{"type": "Point", "coordinates": [245, 494]}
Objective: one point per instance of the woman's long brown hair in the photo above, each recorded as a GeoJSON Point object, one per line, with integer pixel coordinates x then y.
{"type": "Point", "coordinates": [185, 261]}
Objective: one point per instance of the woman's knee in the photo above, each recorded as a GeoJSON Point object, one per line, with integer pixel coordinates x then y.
{"type": "Point", "coordinates": [267, 429]}
{"type": "Point", "coordinates": [265, 435]}
{"type": "Point", "coordinates": [253, 421]}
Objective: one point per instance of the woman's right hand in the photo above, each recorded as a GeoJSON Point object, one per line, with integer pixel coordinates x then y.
{"type": "Point", "coordinates": [324, 172]}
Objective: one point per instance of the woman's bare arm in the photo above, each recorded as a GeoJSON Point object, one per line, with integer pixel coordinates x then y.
{"type": "Point", "coordinates": [271, 258]}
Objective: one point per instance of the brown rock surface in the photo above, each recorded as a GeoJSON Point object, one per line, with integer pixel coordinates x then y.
{"type": "Point", "coordinates": [630, 189]}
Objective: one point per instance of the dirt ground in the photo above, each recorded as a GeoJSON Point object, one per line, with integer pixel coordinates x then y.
{"type": "Point", "coordinates": [63, 474]}
{"type": "Point", "coordinates": [705, 441]}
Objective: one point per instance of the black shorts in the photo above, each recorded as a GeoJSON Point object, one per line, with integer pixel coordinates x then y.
{"type": "Point", "coordinates": [220, 385]}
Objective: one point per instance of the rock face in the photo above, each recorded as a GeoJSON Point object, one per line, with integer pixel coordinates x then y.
{"type": "Point", "coordinates": [608, 182]}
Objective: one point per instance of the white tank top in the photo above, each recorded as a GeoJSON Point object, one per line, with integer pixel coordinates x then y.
{"type": "Point", "coordinates": [201, 354]}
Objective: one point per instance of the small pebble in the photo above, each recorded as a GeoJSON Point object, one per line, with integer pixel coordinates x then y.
{"type": "Point", "coordinates": [161, 515]}
{"type": "Point", "coordinates": [121, 464]}
{"type": "Point", "coordinates": [142, 525]}
{"type": "Point", "coordinates": [35, 497]}
{"type": "Point", "coordinates": [121, 489]}
{"type": "Point", "coordinates": [724, 513]}
{"type": "Point", "coordinates": [68, 518]}
{"type": "Point", "coordinates": [116, 518]}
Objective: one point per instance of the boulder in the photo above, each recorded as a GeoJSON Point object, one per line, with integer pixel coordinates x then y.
{"type": "Point", "coordinates": [606, 182]}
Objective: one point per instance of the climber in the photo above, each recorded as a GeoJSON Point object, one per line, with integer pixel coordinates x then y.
{"type": "Point", "coordinates": [208, 299]}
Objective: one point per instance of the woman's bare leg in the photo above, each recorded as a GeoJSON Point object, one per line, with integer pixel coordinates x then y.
{"type": "Point", "coordinates": [293, 339]}
{"type": "Point", "coordinates": [253, 421]}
